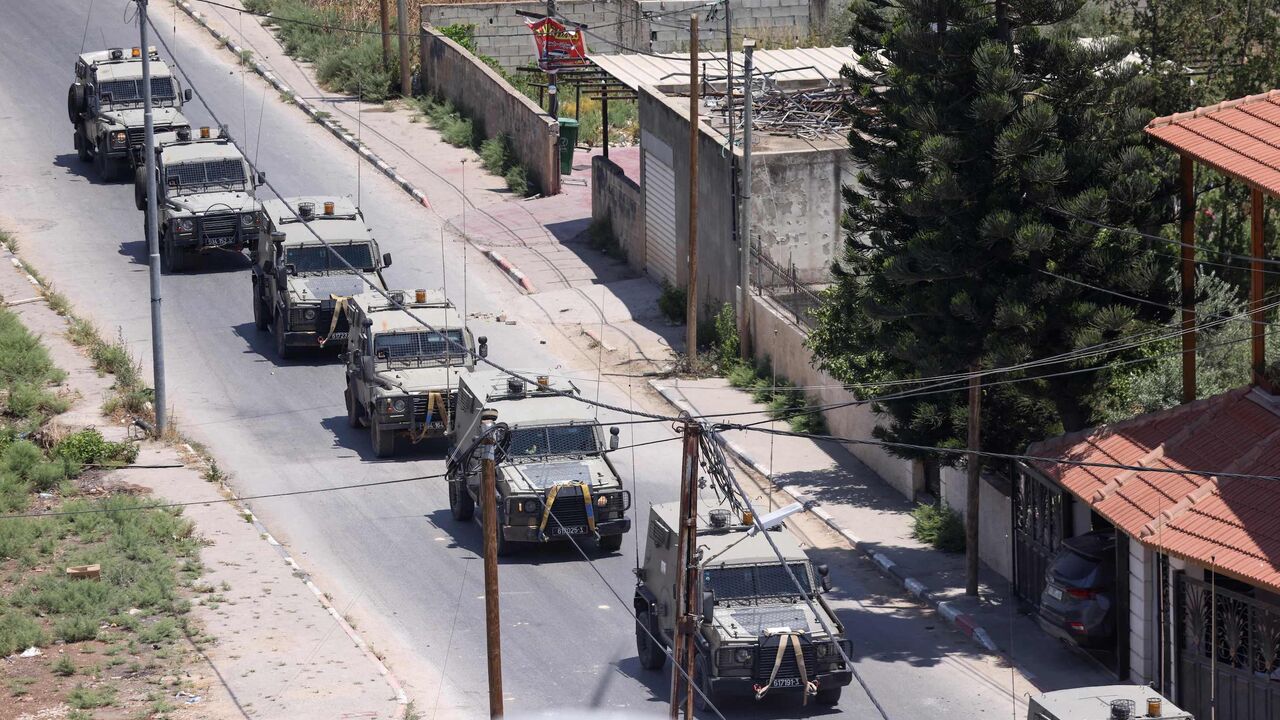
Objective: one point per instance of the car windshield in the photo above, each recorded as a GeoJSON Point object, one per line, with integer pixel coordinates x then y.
{"type": "Point", "coordinates": [756, 581]}
{"type": "Point", "coordinates": [418, 347]}
{"type": "Point", "coordinates": [202, 175]}
{"type": "Point", "coordinates": [546, 440]}
{"type": "Point", "coordinates": [123, 92]}
{"type": "Point", "coordinates": [317, 258]}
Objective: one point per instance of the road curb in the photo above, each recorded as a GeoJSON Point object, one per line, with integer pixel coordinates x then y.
{"type": "Point", "coordinates": [962, 622]}
{"type": "Point", "coordinates": [513, 272]}
{"type": "Point", "coordinates": [319, 116]}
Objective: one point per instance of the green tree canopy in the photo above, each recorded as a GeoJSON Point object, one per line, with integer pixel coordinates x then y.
{"type": "Point", "coordinates": [982, 137]}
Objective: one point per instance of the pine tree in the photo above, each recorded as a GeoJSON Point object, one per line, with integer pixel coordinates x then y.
{"type": "Point", "coordinates": [981, 138]}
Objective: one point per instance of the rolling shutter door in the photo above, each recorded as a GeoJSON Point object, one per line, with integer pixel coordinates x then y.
{"type": "Point", "coordinates": [660, 209]}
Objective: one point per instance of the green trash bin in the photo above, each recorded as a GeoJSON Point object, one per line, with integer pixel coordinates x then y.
{"type": "Point", "coordinates": [568, 141]}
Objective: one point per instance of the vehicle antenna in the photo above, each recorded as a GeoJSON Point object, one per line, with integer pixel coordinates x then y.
{"type": "Point", "coordinates": [444, 287]}
{"type": "Point", "coordinates": [359, 128]}
{"type": "Point", "coordinates": [87, 17]}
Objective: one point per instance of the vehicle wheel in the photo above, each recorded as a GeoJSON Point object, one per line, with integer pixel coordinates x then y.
{"type": "Point", "coordinates": [140, 188]}
{"type": "Point", "coordinates": [706, 698]}
{"type": "Point", "coordinates": [384, 442]}
{"type": "Point", "coordinates": [260, 316]}
{"type": "Point", "coordinates": [828, 697]}
{"type": "Point", "coordinates": [82, 147]}
{"type": "Point", "coordinates": [172, 260]}
{"type": "Point", "coordinates": [610, 543]}
{"type": "Point", "coordinates": [461, 505]}
{"type": "Point", "coordinates": [73, 105]}
{"type": "Point", "coordinates": [652, 655]}
{"type": "Point", "coordinates": [105, 165]}
{"type": "Point", "coordinates": [282, 349]}
{"type": "Point", "coordinates": [353, 410]}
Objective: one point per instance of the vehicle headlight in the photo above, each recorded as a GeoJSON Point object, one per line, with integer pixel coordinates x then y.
{"type": "Point", "coordinates": [602, 501]}
{"type": "Point", "coordinates": [310, 314]}
{"type": "Point", "coordinates": [730, 657]}
{"type": "Point", "coordinates": [185, 224]}
{"type": "Point", "coordinates": [248, 220]}
{"type": "Point", "coordinates": [529, 506]}
{"type": "Point", "coordinates": [822, 650]}
{"type": "Point", "coordinates": [119, 137]}
{"type": "Point", "coordinates": [398, 404]}
{"type": "Point", "coordinates": [742, 655]}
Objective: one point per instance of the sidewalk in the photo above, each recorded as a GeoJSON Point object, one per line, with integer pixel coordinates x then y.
{"type": "Point", "coordinates": [876, 520]}
{"type": "Point", "coordinates": [278, 648]}
{"type": "Point", "coordinates": [565, 286]}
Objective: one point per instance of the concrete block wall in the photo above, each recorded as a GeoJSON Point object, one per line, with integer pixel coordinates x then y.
{"type": "Point", "coordinates": [617, 199]}
{"type": "Point", "coordinates": [796, 206]}
{"type": "Point", "coordinates": [995, 533]}
{"type": "Point", "coordinates": [449, 71]}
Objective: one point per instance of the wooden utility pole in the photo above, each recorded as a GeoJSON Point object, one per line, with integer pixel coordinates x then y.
{"type": "Point", "coordinates": [385, 17]}
{"type": "Point", "coordinates": [744, 197]}
{"type": "Point", "coordinates": [691, 300]}
{"type": "Point", "coordinates": [489, 515]}
{"type": "Point", "coordinates": [402, 22]}
{"type": "Point", "coordinates": [1188, 211]}
{"type": "Point", "coordinates": [1257, 224]}
{"type": "Point", "coordinates": [974, 485]}
{"type": "Point", "coordinates": [687, 576]}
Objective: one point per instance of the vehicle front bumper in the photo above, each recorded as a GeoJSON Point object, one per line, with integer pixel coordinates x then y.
{"type": "Point", "coordinates": [531, 534]}
{"type": "Point", "coordinates": [739, 686]}
{"type": "Point", "coordinates": [311, 339]}
{"type": "Point", "coordinates": [203, 238]}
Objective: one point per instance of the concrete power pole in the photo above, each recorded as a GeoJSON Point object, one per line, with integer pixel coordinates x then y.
{"type": "Point", "coordinates": [744, 196]}
{"type": "Point", "coordinates": [489, 516]}
{"type": "Point", "coordinates": [402, 22]}
{"type": "Point", "coordinates": [974, 469]}
{"type": "Point", "coordinates": [153, 231]}
{"type": "Point", "coordinates": [687, 577]}
{"type": "Point", "coordinates": [385, 17]}
{"type": "Point", "coordinates": [691, 300]}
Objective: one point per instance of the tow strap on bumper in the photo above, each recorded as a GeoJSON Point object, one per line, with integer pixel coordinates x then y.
{"type": "Point", "coordinates": [788, 639]}
{"type": "Point", "coordinates": [551, 500]}
{"type": "Point", "coordinates": [339, 309]}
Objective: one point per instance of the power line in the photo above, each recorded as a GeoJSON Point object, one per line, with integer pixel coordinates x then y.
{"type": "Point", "coordinates": [1170, 241]}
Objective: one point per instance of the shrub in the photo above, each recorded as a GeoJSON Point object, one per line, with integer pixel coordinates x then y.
{"type": "Point", "coordinates": [21, 458]}
{"type": "Point", "coordinates": [34, 402]}
{"type": "Point", "coordinates": [76, 628]}
{"type": "Point", "coordinates": [64, 666]}
{"type": "Point", "coordinates": [458, 131]}
{"type": "Point", "coordinates": [17, 633]}
{"type": "Point", "coordinates": [671, 303]}
{"type": "Point", "coordinates": [22, 358]}
{"type": "Point", "coordinates": [497, 154]}
{"type": "Point", "coordinates": [741, 375]}
{"type": "Point", "coordinates": [939, 526]}
{"type": "Point", "coordinates": [83, 698]}
{"type": "Point", "coordinates": [48, 475]}
{"type": "Point", "coordinates": [727, 342]}
{"type": "Point", "coordinates": [462, 33]}
{"type": "Point", "coordinates": [161, 630]}
{"type": "Point", "coordinates": [15, 493]}
{"type": "Point", "coordinates": [88, 447]}
{"type": "Point", "coordinates": [518, 181]}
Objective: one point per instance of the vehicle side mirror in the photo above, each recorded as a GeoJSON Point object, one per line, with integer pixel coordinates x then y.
{"type": "Point", "coordinates": [613, 437]}
{"type": "Point", "coordinates": [386, 259]}
{"type": "Point", "coordinates": [186, 95]}
{"type": "Point", "coordinates": [290, 269]}
{"type": "Point", "coordinates": [824, 577]}
{"type": "Point", "coordinates": [708, 606]}
{"type": "Point", "coordinates": [484, 346]}
{"type": "Point", "coordinates": [262, 178]}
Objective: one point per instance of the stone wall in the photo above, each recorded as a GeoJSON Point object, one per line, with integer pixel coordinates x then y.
{"type": "Point", "coordinates": [616, 199]}
{"type": "Point", "coordinates": [995, 504]}
{"type": "Point", "coordinates": [615, 26]}
{"type": "Point", "coordinates": [796, 206]}
{"type": "Point", "coordinates": [449, 71]}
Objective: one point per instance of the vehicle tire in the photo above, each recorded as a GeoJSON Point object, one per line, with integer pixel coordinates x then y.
{"type": "Point", "coordinates": [73, 104]}
{"type": "Point", "coordinates": [82, 147]}
{"type": "Point", "coordinates": [105, 165]}
{"type": "Point", "coordinates": [829, 697]}
{"type": "Point", "coordinates": [260, 314]}
{"type": "Point", "coordinates": [461, 505]}
{"type": "Point", "coordinates": [706, 698]}
{"type": "Point", "coordinates": [610, 543]}
{"type": "Point", "coordinates": [651, 653]}
{"type": "Point", "coordinates": [172, 260]}
{"type": "Point", "coordinates": [282, 348]}
{"type": "Point", "coordinates": [140, 188]}
{"type": "Point", "coordinates": [353, 410]}
{"type": "Point", "coordinates": [383, 441]}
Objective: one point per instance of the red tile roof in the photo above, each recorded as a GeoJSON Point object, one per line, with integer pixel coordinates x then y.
{"type": "Point", "coordinates": [1228, 523]}
{"type": "Point", "coordinates": [1238, 137]}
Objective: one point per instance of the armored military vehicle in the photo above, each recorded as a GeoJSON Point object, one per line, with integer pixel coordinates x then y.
{"type": "Point", "coordinates": [1104, 702]}
{"type": "Point", "coordinates": [402, 378]}
{"type": "Point", "coordinates": [299, 284]}
{"type": "Point", "coordinates": [206, 197]}
{"type": "Point", "coordinates": [755, 634]}
{"type": "Point", "coordinates": [105, 105]}
{"type": "Point", "coordinates": [554, 477]}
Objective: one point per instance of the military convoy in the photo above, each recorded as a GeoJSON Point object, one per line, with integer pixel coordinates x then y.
{"type": "Point", "coordinates": [105, 106]}
{"type": "Point", "coordinates": [300, 286]}
{"type": "Point", "coordinates": [756, 635]}
{"type": "Point", "coordinates": [403, 378]}
{"type": "Point", "coordinates": [554, 479]}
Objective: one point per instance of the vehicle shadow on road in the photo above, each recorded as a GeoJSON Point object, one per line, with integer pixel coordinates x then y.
{"type": "Point", "coordinates": [469, 535]}
{"type": "Point", "coordinates": [72, 163]}
{"type": "Point", "coordinates": [357, 441]}
{"type": "Point", "coordinates": [262, 342]}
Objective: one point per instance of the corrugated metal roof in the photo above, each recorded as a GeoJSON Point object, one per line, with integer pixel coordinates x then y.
{"type": "Point", "coordinates": [797, 65]}
{"type": "Point", "coordinates": [1238, 137]}
{"type": "Point", "coordinates": [1227, 523]}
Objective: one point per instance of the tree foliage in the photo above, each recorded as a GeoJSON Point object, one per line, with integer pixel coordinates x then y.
{"type": "Point", "coordinates": [982, 138]}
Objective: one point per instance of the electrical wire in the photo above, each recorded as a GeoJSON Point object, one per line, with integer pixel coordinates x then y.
{"type": "Point", "coordinates": [1169, 241]}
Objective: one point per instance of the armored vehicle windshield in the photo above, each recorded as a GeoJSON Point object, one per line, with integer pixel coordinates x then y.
{"type": "Point", "coordinates": [419, 348]}
{"type": "Point", "coordinates": [197, 176]}
{"type": "Point", "coordinates": [542, 441]}
{"type": "Point", "coordinates": [320, 259]}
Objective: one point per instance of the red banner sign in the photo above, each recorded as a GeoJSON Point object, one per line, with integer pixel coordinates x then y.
{"type": "Point", "coordinates": [556, 44]}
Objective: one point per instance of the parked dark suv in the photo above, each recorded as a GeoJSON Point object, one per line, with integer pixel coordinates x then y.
{"type": "Point", "coordinates": [1079, 599]}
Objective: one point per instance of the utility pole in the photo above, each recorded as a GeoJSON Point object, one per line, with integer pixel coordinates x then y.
{"type": "Point", "coordinates": [744, 195]}
{"type": "Point", "coordinates": [691, 299]}
{"type": "Point", "coordinates": [553, 94]}
{"type": "Point", "coordinates": [402, 22]}
{"type": "Point", "coordinates": [1187, 209]}
{"type": "Point", "coordinates": [489, 516]}
{"type": "Point", "coordinates": [687, 576]}
{"type": "Point", "coordinates": [974, 475]}
{"type": "Point", "coordinates": [153, 231]}
{"type": "Point", "coordinates": [385, 18]}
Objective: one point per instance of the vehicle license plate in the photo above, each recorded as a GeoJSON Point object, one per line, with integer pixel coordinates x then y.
{"type": "Point", "coordinates": [337, 336]}
{"type": "Point", "coordinates": [786, 682]}
{"type": "Point", "coordinates": [570, 530]}
{"type": "Point", "coordinates": [1055, 592]}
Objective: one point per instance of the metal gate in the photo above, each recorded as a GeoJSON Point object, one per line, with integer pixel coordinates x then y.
{"type": "Point", "coordinates": [1242, 677]}
{"type": "Point", "coordinates": [659, 184]}
{"type": "Point", "coordinates": [1040, 522]}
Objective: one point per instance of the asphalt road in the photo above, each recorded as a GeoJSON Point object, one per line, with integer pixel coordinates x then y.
{"type": "Point", "coordinates": [391, 556]}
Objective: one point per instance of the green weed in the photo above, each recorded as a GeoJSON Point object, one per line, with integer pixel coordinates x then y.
{"type": "Point", "coordinates": [88, 447]}
{"type": "Point", "coordinates": [939, 526]}
{"type": "Point", "coordinates": [64, 666]}
{"type": "Point", "coordinates": [17, 633]}
{"type": "Point", "coordinates": [672, 302]}
{"type": "Point", "coordinates": [83, 698]}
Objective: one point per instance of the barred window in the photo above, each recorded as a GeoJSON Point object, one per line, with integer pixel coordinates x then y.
{"type": "Point", "coordinates": [131, 90]}
{"type": "Point", "coordinates": [553, 440]}
{"type": "Point", "coordinates": [199, 174]}
{"type": "Point", "coordinates": [418, 345]}
{"type": "Point", "coordinates": [756, 581]}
